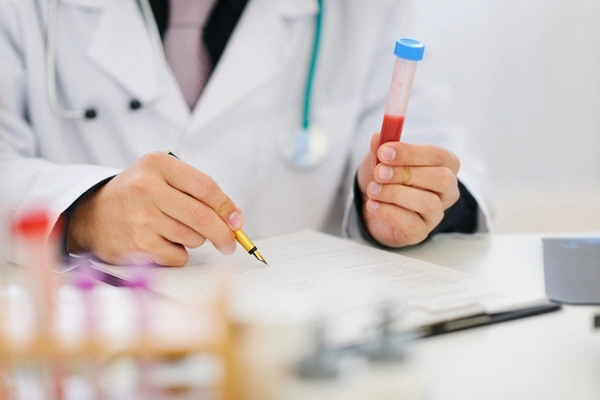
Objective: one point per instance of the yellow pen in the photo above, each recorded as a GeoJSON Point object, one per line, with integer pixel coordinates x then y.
{"type": "Point", "coordinates": [241, 237]}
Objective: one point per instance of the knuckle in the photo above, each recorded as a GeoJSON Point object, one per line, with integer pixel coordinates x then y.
{"type": "Point", "coordinates": [141, 217]}
{"type": "Point", "coordinates": [419, 233]}
{"type": "Point", "coordinates": [142, 242]}
{"type": "Point", "coordinates": [152, 158]}
{"type": "Point", "coordinates": [137, 183]}
{"type": "Point", "coordinates": [438, 220]}
{"type": "Point", "coordinates": [432, 205]}
{"type": "Point", "coordinates": [446, 178]}
{"type": "Point", "coordinates": [179, 231]}
{"type": "Point", "coordinates": [177, 257]}
{"type": "Point", "coordinates": [206, 183]}
{"type": "Point", "coordinates": [404, 152]}
{"type": "Point", "coordinates": [197, 241]}
{"type": "Point", "coordinates": [413, 224]}
{"type": "Point", "coordinates": [199, 217]}
{"type": "Point", "coordinates": [226, 207]}
{"type": "Point", "coordinates": [454, 196]}
{"type": "Point", "coordinates": [187, 236]}
{"type": "Point", "coordinates": [456, 163]}
{"type": "Point", "coordinates": [422, 236]}
{"type": "Point", "coordinates": [438, 155]}
{"type": "Point", "coordinates": [223, 204]}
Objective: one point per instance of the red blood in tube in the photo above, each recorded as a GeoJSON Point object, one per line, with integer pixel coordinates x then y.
{"type": "Point", "coordinates": [34, 223]}
{"type": "Point", "coordinates": [391, 129]}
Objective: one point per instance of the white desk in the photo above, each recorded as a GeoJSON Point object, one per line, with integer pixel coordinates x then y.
{"type": "Point", "coordinates": [551, 356]}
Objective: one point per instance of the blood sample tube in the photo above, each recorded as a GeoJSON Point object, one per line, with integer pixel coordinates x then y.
{"type": "Point", "coordinates": [30, 232]}
{"type": "Point", "coordinates": [408, 52]}
{"type": "Point", "coordinates": [38, 251]}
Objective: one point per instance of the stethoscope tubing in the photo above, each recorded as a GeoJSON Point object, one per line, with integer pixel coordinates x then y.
{"type": "Point", "coordinates": [312, 68]}
{"type": "Point", "coordinates": [159, 55]}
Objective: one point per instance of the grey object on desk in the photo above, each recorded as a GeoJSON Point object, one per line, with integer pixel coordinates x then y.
{"type": "Point", "coordinates": [572, 270]}
{"type": "Point", "coordinates": [388, 346]}
{"type": "Point", "coordinates": [323, 363]}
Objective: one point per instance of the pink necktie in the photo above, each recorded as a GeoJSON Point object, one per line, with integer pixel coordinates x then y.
{"type": "Point", "coordinates": [184, 48]}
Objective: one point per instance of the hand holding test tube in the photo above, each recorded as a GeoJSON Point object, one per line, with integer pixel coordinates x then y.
{"type": "Point", "coordinates": [406, 188]}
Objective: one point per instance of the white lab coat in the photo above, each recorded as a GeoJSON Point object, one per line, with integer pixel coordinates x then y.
{"type": "Point", "coordinates": [105, 59]}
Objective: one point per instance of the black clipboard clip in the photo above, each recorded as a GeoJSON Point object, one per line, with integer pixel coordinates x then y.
{"type": "Point", "coordinates": [483, 319]}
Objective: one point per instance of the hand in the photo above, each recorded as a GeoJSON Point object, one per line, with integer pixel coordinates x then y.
{"type": "Point", "coordinates": [405, 196]}
{"type": "Point", "coordinates": [151, 212]}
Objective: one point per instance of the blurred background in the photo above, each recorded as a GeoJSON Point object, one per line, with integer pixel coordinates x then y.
{"type": "Point", "coordinates": [525, 76]}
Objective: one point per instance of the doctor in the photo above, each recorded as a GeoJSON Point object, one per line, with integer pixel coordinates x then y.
{"type": "Point", "coordinates": [89, 103]}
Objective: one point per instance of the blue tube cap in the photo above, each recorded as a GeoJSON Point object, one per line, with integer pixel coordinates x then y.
{"type": "Point", "coordinates": [409, 49]}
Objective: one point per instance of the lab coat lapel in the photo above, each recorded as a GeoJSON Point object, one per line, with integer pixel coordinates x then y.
{"type": "Point", "coordinates": [122, 47]}
{"type": "Point", "coordinates": [86, 3]}
{"type": "Point", "coordinates": [256, 51]}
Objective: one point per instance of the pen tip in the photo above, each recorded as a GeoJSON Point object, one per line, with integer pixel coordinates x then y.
{"type": "Point", "coordinates": [260, 258]}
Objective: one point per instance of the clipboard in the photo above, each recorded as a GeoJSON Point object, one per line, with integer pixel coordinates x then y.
{"type": "Point", "coordinates": [432, 299]}
{"type": "Point", "coordinates": [441, 328]}
{"type": "Point", "coordinates": [480, 320]}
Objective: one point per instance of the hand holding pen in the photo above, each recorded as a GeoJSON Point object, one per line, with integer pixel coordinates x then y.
{"type": "Point", "coordinates": [241, 237]}
{"type": "Point", "coordinates": [152, 212]}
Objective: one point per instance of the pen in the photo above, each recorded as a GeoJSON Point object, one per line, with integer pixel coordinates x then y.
{"type": "Point", "coordinates": [241, 237]}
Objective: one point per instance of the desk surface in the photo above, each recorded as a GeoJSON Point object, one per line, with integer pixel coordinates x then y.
{"type": "Point", "coordinates": [552, 356]}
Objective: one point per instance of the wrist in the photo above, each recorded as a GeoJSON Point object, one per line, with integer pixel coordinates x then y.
{"type": "Point", "coordinates": [76, 228]}
{"type": "Point", "coordinates": [79, 218]}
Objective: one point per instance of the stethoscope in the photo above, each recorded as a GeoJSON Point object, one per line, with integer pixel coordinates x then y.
{"type": "Point", "coordinates": [308, 146]}
{"type": "Point", "coordinates": [304, 148]}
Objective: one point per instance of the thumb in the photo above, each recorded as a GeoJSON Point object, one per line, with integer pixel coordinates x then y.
{"type": "Point", "coordinates": [374, 148]}
{"type": "Point", "coordinates": [365, 171]}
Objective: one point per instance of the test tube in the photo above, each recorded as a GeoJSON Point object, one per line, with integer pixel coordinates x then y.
{"type": "Point", "coordinates": [30, 231]}
{"type": "Point", "coordinates": [86, 283]}
{"type": "Point", "coordinates": [37, 251]}
{"type": "Point", "coordinates": [408, 52]}
{"type": "Point", "coordinates": [140, 288]}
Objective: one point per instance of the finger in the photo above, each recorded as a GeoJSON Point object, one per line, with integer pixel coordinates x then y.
{"type": "Point", "coordinates": [168, 253]}
{"type": "Point", "coordinates": [177, 232]}
{"type": "Point", "coordinates": [198, 216]}
{"type": "Point", "coordinates": [202, 187]}
{"type": "Point", "coordinates": [426, 204]}
{"type": "Point", "coordinates": [408, 226]}
{"type": "Point", "coordinates": [153, 248]}
{"type": "Point", "coordinates": [365, 171]}
{"type": "Point", "coordinates": [402, 154]}
{"type": "Point", "coordinates": [374, 146]}
{"type": "Point", "coordinates": [440, 180]}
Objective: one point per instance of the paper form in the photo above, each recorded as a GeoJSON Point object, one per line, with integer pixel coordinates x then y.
{"type": "Point", "coordinates": [336, 279]}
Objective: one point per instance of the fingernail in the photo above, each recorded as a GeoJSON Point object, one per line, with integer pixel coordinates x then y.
{"type": "Point", "coordinates": [236, 221]}
{"type": "Point", "coordinates": [374, 188]}
{"type": "Point", "coordinates": [372, 205]}
{"type": "Point", "coordinates": [385, 172]}
{"type": "Point", "coordinates": [388, 154]}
